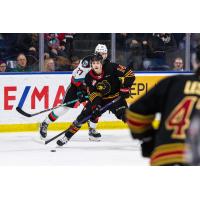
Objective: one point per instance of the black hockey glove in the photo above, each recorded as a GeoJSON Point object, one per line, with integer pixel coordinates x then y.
{"type": "Point", "coordinates": [124, 92]}
{"type": "Point", "coordinates": [82, 96]}
{"type": "Point", "coordinates": [96, 112]}
{"type": "Point", "coordinates": [147, 146]}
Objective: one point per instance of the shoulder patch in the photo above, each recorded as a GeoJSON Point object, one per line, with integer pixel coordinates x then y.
{"type": "Point", "coordinates": [85, 63]}
{"type": "Point", "coordinates": [121, 68]}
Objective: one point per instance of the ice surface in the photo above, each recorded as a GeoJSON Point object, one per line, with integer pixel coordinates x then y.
{"type": "Point", "coordinates": [116, 148]}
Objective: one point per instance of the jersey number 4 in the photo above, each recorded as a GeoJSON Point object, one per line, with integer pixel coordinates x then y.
{"type": "Point", "coordinates": [179, 119]}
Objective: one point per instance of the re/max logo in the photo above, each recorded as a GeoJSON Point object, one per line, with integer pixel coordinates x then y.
{"type": "Point", "coordinates": [36, 94]}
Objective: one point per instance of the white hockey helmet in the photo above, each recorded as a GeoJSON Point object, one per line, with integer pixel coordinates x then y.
{"type": "Point", "coordinates": [101, 48]}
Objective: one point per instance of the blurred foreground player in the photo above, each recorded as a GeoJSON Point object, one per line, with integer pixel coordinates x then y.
{"type": "Point", "coordinates": [105, 82]}
{"type": "Point", "coordinates": [193, 141]}
{"type": "Point", "coordinates": [177, 98]}
{"type": "Point", "coordinates": [76, 90]}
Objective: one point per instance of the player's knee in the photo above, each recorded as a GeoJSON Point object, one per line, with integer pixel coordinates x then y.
{"type": "Point", "coordinates": [77, 124]}
{"type": "Point", "coordinates": [94, 120]}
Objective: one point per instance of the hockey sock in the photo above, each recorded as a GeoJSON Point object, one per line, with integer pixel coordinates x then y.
{"type": "Point", "coordinates": [72, 130]}
{"type": "Point", "coordinates": [92, 125]}
{"type": "Point", "coordinates": [55, 114]}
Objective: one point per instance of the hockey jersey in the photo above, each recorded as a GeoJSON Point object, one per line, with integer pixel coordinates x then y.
{"type": "Point", "coordinates": [78, 75]}
{"type": "Point", "coordinates": [107, 85]}
{"type": "Point", "coordinates": [176, 98]}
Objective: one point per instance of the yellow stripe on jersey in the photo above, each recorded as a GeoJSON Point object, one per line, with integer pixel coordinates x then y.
{"type": "Point", "coordinates": [139, 123]}
{"type": "Point", "coordinates": [131, 114]}
{"type": "Point", "coordinates": [169, 154]}
{"type": "Point", "coordinates": [111, 96]}
{"type": "Point", "coordinates": [93, 95]}
{"type": "Point", "coordinates": [129, 74]}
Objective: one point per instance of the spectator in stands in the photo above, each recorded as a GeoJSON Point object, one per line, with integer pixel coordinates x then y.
{"type": "Point", "coordinates": [32, 59]}
{"type": "Point", "coordinates": [60, 44]}
{"type": "Point", "coordinates": [46, 55]}
{"type": "Point", "coordinates": [75, 62]}
{"type": "Point", "coordinates": [26, 40]}
{"type": "Point", "coordinates": [178, 64]}
{"type": "Point", "coordinates": [180, 40]}
{"type": "Point", "coordinates": [63, 64]}
{"type": "Point", "coordinates": [21, 61]}
{"type": "Point", "coordinates": [49, 65]}
{"type": "Point", "coordinates": [56, 47]}
{"type": "Point", "coordinates": [3, 66]}
{"type": "Point", "coordinates": [53, 44]}
{"type": "Point", "coordinates": [135, 48]}
{"type": "Point", "coordinates": [21, 64]}
{"type": "Point", "coordinates": [61, 50]}
{"type": "Point", "coordinates": [66, 40]}
{"type": "Point", "coordinates": [157, 45]}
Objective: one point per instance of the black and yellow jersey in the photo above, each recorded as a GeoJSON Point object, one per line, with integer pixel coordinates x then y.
{"type": "Point", "coordinates": [107, 85]}
{"type": "Point", "coordinates": [176, 98]}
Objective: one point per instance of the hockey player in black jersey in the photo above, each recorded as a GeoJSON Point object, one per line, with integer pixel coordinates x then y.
{"type": "Point", "coordinates": [176, 98]}
{"type": "Point", "coordinates": [193, 141]}
{"type": "Point", "coordinates": [104, 82]}
{"type": "Point", "coordinates": [76, 90]}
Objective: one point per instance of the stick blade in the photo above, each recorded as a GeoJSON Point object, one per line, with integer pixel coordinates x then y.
{"type": "Point", "coordinates": [22, 112]}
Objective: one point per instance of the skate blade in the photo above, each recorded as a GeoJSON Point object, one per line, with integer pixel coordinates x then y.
{"type": "Point", "coordinates": [93, 139]}
{"type": "Point", "coordinates": [43, 139]}
{"type": "Point", "coordinates": [60, 147]}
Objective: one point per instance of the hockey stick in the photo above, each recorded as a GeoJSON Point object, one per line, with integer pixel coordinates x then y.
{"type": "Point", "coordinates": [85, 119]}
{"type": "Point", "coordinates": [34, 114]}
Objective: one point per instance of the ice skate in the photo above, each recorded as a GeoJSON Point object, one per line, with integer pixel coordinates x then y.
{"type": "Point", "coordinates": [62, 141]}
{"type": "Point", "coordinates": [43, 130]}
{"type": "Point", "coordinates": [94, 135]}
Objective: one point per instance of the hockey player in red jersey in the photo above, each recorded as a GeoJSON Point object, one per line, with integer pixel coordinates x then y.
{"type": "Point", "coordinates": [105, 82]}
{"type": "Point", "coordinates": [177, 98]}
{"type": "Point", "coordinates": [76, 90]}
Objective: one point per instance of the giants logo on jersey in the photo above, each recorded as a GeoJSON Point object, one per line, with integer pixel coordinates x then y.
{"type": "Point", "coordinates": [104, 87]}
{"type": "Point", "coordinates": [85, 63]}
